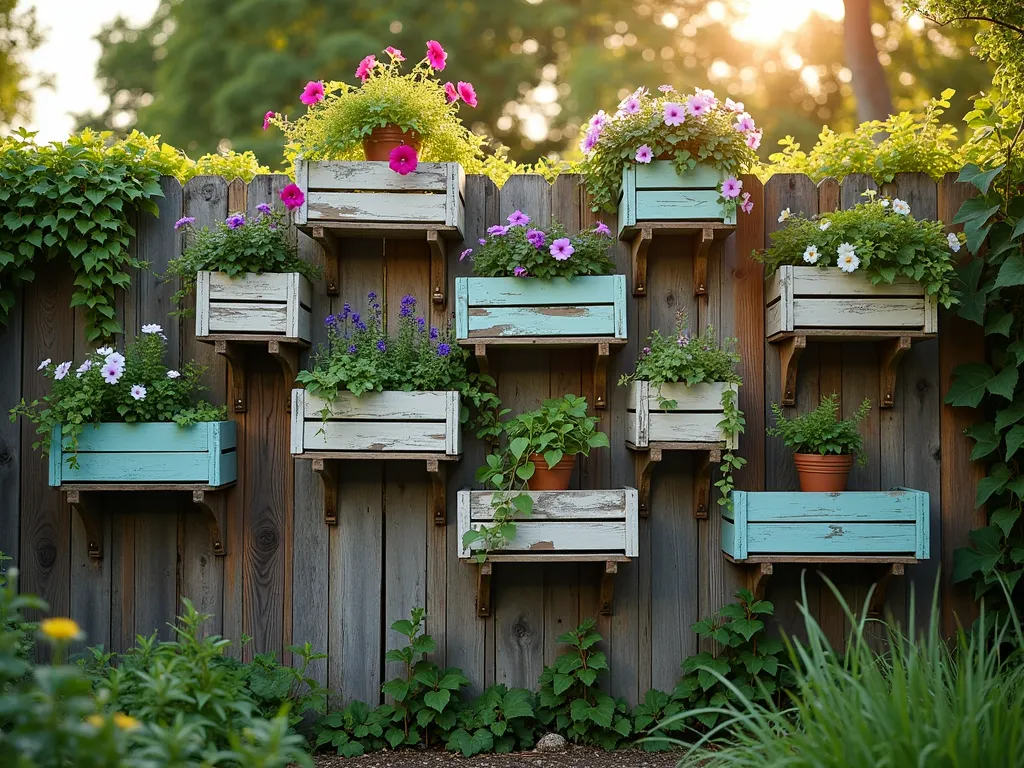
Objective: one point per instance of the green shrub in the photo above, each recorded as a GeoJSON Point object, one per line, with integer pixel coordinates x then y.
{"type": "Point", "coordinates": [822, 431]}
{"type": "Point", "coordinates": [500, 720]}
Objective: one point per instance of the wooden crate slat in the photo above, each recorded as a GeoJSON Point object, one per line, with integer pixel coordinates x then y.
{"type": "Point", "coordinates": [262, 317]}
{"type": "Point", "coordinates": [270, 286]}
{"type": "Point", "coordinates": [662, 174]}
{"type": "Point", "coordinates": [694, 418]}
{"type": "Point", "coordinates": [699, 397]}
{"type": "Point", "coordinates": [374, 436]}
{"type": "Point", "coordinates": [519, 292]}
{"type": "Point", "coordinates": [859, 313]}
{"type": "Point", "coordinates": [569, 505]}
{"type": "Point", "coordinates": [833, 282]}
{"type": "Point", "coordinates": [130, 467]}
{"type": "Point", "coordinates": [379, 206]}
{"type": "Point", "coordinates": [549, 536]}
{"type": "Point", "coordinates": [372, 176]}
{"type": "Point", "coordinates": [851, 506]}
{"type": "Point", "coordinates": [126, 438]}
{"type": "Point", "coordinates": [594, 320]}
{"type": "Point", "coordinates": [685, 428]}
{"type": "Point", "coordinates": [838, 537]}
{"type": "Point", "coordinates": [393, 406]}
{"type": "Point", "coordinates": [253, 304]}
{"type": "Point", "coordinates": [678, 205]}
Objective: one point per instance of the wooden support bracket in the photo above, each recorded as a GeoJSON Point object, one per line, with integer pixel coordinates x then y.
{"type": "Point", "coordinates": [92, 521]}
{"type": "Point", "coordinates": [757, 578]}
{"type": "Point", "coordinates": [645, 461]}
{"type": "Point", "coordinates": [702, 482]}
{"type": "Point", "coordinates": [882, 587]}
{"type": "Point", "coordinates": [601, 355]}
{"type": "Point", "coordinates": [891, 351]}
{"type": "Point", "coordinates": [611, 567]}
{"type": "Point", "coordinates": [790, 350]}
{"type": "Point", "coordinates": [287, 357]}
{"type": "Point", "coordinates": [332, 267]}
{"type": "Point", "coordinates": [641, 242]}
{"type": "Point", "coordinates": [483, 589]}
{"type": "Point", "coordinates": [438, 267]}
{"type": "Point", "coordinates": [480, 353]}
{"type": "Point", "coordinates": [329, 476]}
{"type": "Point", "coordinates": [437, 497]}
{"type": "Point", "coordinates": [235, 355]}
{"type": "Point", "coordinates": [214, 506]}
{"type": "Point", "coordinates": [703, 240]}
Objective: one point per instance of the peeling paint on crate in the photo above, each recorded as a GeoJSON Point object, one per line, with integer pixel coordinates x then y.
{"type": "Point", "coordinates": [542, 545]}
{"type": "Point", "coordinates": [836, 531]}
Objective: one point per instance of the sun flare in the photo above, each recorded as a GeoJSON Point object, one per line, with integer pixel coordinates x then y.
{"type": "Point", "coordinates": [765, 21]}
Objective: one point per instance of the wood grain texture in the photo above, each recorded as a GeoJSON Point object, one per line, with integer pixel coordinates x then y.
{"type": "Point", "coordinates": [10, 432]}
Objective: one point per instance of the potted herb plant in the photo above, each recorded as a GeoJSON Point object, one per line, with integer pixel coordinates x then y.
{"type": "Point", "coordinates": [670, 157]}
{"type": "Point", "coordinates": [541, 282]}
{"type": "Point", "coordinates": [128, 418]}
{"type": "Point", "coordinates": [685, 390]}
{"type": "Point", "coordinates": [248, 278]}
{"type": "Point", "coordinates": [368, 390]}
{"type": "Point", "coordinates": [873, 266]}
{"type": "Point", "coordinates": [824, 446]}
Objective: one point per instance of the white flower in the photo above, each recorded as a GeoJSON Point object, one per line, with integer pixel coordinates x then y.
{"type": "Point", "coordinates": [104, 351]}
{"type": "Point", "coordinates": [884, 203]}
{"type": "Point", "coordinates": [112, 372]}
{"type": "Point", "coordinates": [900, 207]}
{"type": "Point", "coordinates": [43, 364]}
{"type": "Point", "coordinates": [848, 260]}
{"type": "Point", "coordinates": [62, 370]}
{"type": "Point", "coordinates": [173, 374]}
{"type": "Point", "coordinates": [784, 215]}
{"type": "Point", "coordinates": [954, 242]}
{"type": "Point", "coordinates": [116, 358]}
{"type": "Point", "coordinates": [139, 392]}
{"type": "Point", "coordinates": [811, 254]}
{"type": "Point", "coordinates": [152, 328]}
{"type": "Point", "coordinates": [825, 225]}
{"type": "Point", "coordinates": [87, 365]}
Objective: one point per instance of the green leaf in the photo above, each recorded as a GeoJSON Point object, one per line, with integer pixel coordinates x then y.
{"type": "Point", "coordinates": [1004, 382]}
{"type": "Point", "coordinates": [999, 323]}
{"type": "Point", "coordinates": [986, 439]}
{"type": "Point", "coordinates": [1005, 518]}
{"type": "Point", "coordinates": [1014, 440]}
{"type": "Point", "coordinates": [970, 381]}
{"type": "Point", "coordinates": [1011, 273]}
{"type": "Point", "coordinates": [972, 174]}
{"type": "Point", "coordinates": [996, 480]}
{"type": "Point", "coordinates": [437, 700]}
{"type": "Point", "coordinates": [518, 446]}
{"type": "Point", "coordinates": [982, 557]}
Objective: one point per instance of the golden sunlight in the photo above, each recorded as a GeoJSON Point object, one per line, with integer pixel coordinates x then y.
{"type": "Point", "coordinates": [765, 21]}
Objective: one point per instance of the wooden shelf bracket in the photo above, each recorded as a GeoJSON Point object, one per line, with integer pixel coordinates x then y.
{"type": "Point", "coordinates": [611, 567]}
{"type": "Point", "coordinates": [790, 350]}
{"type": "Point", "coordinates": [91, 518]}
{"type": "Point", "coordinates": [287, 357]}
{"type": "Point", "coordinates": [880, 590]}
{"type": "Point", "coordinates": [702, 482]}
{"type": "Point", "coordinates": [638, 247]}
{"type": "Point", "coordinates": [437, 503]}
{"type": "Point", "coordinates": [891, 351]}
{"type": "Point", "coordinates": [480, 353]}
{"type": "Point", "coordinates": [601, 354]}
{"type": "Point", "coordinates": [233, 350]}
{"type": "Point", "coordinates": [757, 578]}
{"type": "Point", "coordinates": [483, 589]}
{"type": "Point", "coordinates": [332, 267]}
{"type": "Point", "coordinates": [704, 238]}
{"type": "Point", "coordinates": [214, 507]}
{"type": "Point", "coordinates": [235, 355]}
{"type": "Point", "coordinates": [645, 461]}
{"type": "Point", "coordinates": [329, 476]}
{"type": "Point", "coordinates": [438, 267]}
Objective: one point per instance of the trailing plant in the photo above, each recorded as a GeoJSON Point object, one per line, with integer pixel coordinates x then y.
{"type": "Point", "coordinates": [519, 250]}
{"type": "Point", "coordinates": [688, 129]}
{"type": "Point", "coordinates": [879, 237]}
{"type": "Point", "coordinates": [236, 247]}
{"type": "Point", "coordinates": [747, 665]}
{"type": "Point", "coordinates": [571, 701]}
{"type": "Point", "coordinates": [560, 427]}
{"type": "Point", "coordinates": [111, 387]}
{"type": "Point", "coordinates": [822, 431]}
{"type": "Point", "coordinates": [692, 360]}
{"type": "Point", "coordinates": [340, 116]}
{"type": "Point", "coordinates": [361, 356]}
{"type": "Point", "coordinates": [913, 142]}
{"type": "Point", "coordinates": [500, 721]}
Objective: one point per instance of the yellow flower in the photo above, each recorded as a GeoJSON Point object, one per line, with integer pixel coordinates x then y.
{"type": "Point", "coordinates": [61, 629]}
{"type": "Point", "coordinates": [96, 720]}
{"type": "Point", "coordinates": [125, 722]}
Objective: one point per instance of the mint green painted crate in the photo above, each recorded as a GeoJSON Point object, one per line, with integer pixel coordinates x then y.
{"type": "Point", "coordinates": [148, 453]}
{"type": "Point", "coordinates": [510, 307]}
{"type": "Point", "coordinates": [655, 192]}
{"type": "Point", "coordinates": [854, 523]}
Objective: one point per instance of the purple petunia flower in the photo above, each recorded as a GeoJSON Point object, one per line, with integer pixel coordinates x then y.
{"type": "Point", "coordinates": [465, 253]}
{"type": "Point", "coordinates": [264, 208]}
{"type": "Point", "coordinates": [382, 346]}
{"type": "Point", "coordinates": [497, 230]}
{"type": "Point", "coordinates": [536, 238]}
{"type": "Point", "coordinates": [519, 272]}
{"type": "Point", "coordinates": [602, 229]}
{"type": "Point", "coordinates": [562, 249]}
{"type": "Point", "coordinates": [518, 219]}
{"type": "Point", "coordinates": [443, 350]}
{"type": "Point", "coordinates": [184, 222]}
{"type": "Point", "coordinates": [235, 221]}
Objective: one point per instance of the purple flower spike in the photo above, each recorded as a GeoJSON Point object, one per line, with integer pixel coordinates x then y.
{"type": "Point", "coordinates": [235, 221]}
{"type": "Point", "coordinates": [443, 350]}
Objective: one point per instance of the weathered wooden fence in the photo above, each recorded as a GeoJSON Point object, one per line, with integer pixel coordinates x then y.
{"type": "Point", "coordinates": [288, 577]}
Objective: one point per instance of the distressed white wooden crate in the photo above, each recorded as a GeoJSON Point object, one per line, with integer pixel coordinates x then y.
{"type": "Point", "coordinates": [364, 192]}
{"type": "Point", "coordinates": [587, 523]}
{"type": "Point", "coordinates": [828, 299]}
{"type": "Point", "coordinates": [379, 422]}
{"type": "Point", "coordinates": [271, 304]}
{"type": "Point", "coordinates": [693, 419]}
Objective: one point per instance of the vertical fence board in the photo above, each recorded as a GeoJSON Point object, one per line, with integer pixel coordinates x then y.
{"type": "Point", "coordinates": [11, 354]}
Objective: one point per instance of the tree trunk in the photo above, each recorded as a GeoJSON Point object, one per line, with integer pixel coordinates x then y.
{"type": "Point", "coordinates": [869, 86]}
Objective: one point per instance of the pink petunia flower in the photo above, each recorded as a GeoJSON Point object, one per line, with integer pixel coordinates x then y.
{"type": "Point", "coordinates": [631, 105]}
{"type": "Point", "coordinates": [267, 118]}
{"type": "Point", "coordinates": [365, 67]}
{"type": "Point", "coordinates": [644, 154]}
{"type": "Point", "coordinates": [519, 272]}
{"type": "Point", "coordinates": [665, 88]}
{"type": "Point", "coordinates": [518, 219]}
{"type": "Point", "coordinates": [599, 120]}
{"type": "Point", "coordinates": [733, 106]}
{"type": "Point", "coordinates": [744, 123]}
{"type": "Point", "coordinates": [590, 140]}
{"type": "Point", "coordinates": [394, 53]}
{"type": "Point", "coordinates": [497, 230]}
{"type": "Point", "coordinates": [754, 139]}
{"type": "Point", "coordinates": [312, 93]}
{"type": "Point", "coordinates": [731, 188]}
{"type": "Point", "coordinates": [747, 205]}
{"type": "Point", "coordinates": [436, 55]}
{"type": "Point", "coordinates": [562, 249]}
{"type": "Point", "coordinates": [468, 93]}
{"type": "Point", "coordinates": [112, 372]}
{"type": "Point", "coordinates": [536, 238]}
{"type": "Point", "coordinates": [602, 229]}
{"type": "Point", "coordinates": [697, 106]}
{"type": "Point", "coordinates": [465, 253]}
{"type": "Point", "coordinates": [709, 97]}
{"type": "Point", "coordinates": [292, 197]}
{"type": "Point", "coordinates": [451, 92]}
{"type": "Point", "coordinates": [403, 160]}
{"type": "Point", "coordinates": [674, 113]}
{"type": "Point", "coordinates": [139, 392]}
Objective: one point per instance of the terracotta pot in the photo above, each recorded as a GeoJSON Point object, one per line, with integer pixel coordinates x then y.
{"type": "Point", "coordinates": [381, 141]}
{"type": "Point", "coordinates": [555, 479]}
{"type": "Point", "coordinates": [828, 474]}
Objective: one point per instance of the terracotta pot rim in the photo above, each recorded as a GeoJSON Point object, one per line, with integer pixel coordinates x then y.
{"type": "Point", "coordinates": [824, 458]}
{"type": "Point", "coordinates": [538, 459]}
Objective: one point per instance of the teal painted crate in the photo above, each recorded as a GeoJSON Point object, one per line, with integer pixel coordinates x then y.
{"type": "Point", "coordinates": [148, 453]}
{"type": "Point", "coordinates": [854, 523]}
{"type": "Point", "coordinates": [510, 307]}
{"type": "Point", "coordinates": [655, 192]}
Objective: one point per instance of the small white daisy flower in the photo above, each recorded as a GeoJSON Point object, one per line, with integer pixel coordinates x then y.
{"type": "Point", "coordinates": [152, 328]}
{"type": "Point", "coordinates": [901, 207]}
{"type": "Point", "coordinates": [825, 225]}
{"type": "Point", "coordinates": [811, 254]}
{"type": "Point", "coordinates": [848, 260]}
{"type": "Point", "coordinates": [784, 215]}
{"type": "Point", "coordinates": [139, 392]}
{"type": "Point", "coordinates": [954, 242]}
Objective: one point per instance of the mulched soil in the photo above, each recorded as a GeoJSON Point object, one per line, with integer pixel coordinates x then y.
{"type": "Point", "coordinates": [574, 757]}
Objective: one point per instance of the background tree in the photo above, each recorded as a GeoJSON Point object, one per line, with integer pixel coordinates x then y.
{"type": "Point", "coordinates": [18, 37]}
{"type": "Point", "coordinates": [203, 72]}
